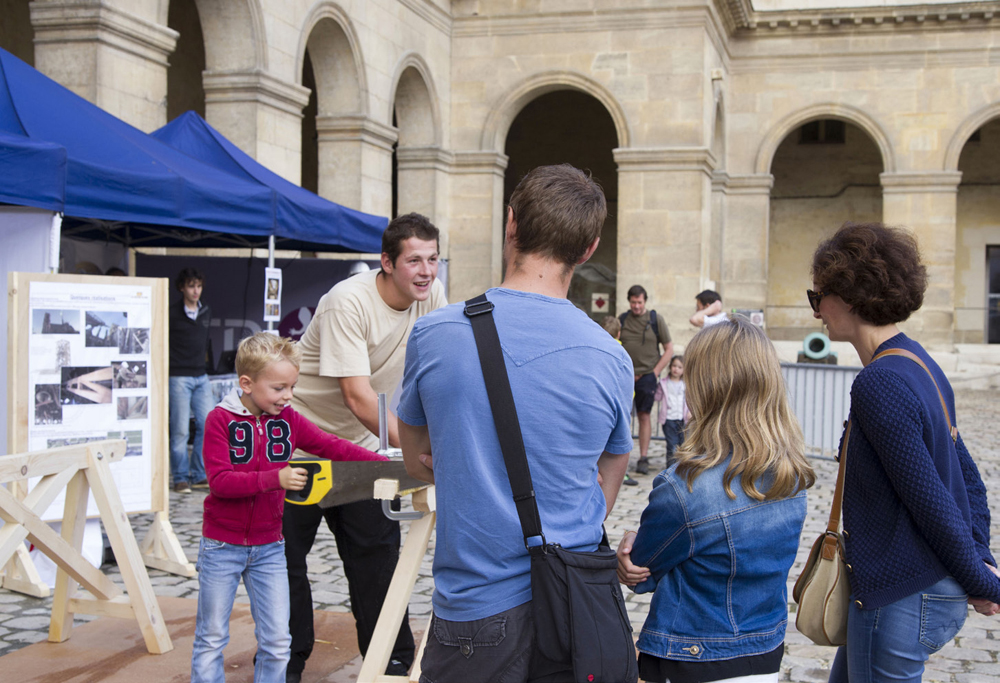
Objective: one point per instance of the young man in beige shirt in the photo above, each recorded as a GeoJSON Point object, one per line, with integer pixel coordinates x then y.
{"type": "Point", "coordinates": [353, 350]}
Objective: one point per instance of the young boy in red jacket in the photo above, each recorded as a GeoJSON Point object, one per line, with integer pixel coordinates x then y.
{"type": "Point", "coordinates": [249, 440]}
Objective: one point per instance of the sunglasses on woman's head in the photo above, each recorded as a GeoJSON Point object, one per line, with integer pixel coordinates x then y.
{"type": "Point", "coordinates": [814, 299]}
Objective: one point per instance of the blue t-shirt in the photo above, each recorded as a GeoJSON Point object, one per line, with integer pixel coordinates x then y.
{"type": "Point", "coordinates": [572, 384]}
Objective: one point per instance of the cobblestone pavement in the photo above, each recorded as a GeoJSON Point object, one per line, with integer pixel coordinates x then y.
{"type": "Point", "coordinates": [973, 657]}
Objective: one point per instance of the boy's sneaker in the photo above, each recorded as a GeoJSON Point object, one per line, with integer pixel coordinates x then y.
{"type": "Point", "coordinates": [182, 487]}
{"type": "Point", "coordinates": [629, 481]}
{"type": "Point", "coordinates": [642, 467]}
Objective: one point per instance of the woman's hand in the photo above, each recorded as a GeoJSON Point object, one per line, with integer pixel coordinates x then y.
{"type": "Point", "coordinates": [981, 605]}
{"type": "Point", "coordinates": [628, 573]}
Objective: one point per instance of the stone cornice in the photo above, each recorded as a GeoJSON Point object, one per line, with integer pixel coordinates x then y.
{"type": "Point", "coordinates": [478, 161]}
{"type": "Point", "coordinates": [862, 59]}
{"type": "Point", "coordinates": [431, 13]}
{"type": "Point", "coordinates": [424, 158]}
{"type": "Point", "coordinates": [572, 22]}
{"type": "Point", "coordinates": [743, 184]}
{"type": "Point", "coordinates": [748, 22]}
{"type": "Point", "coordinates": [636, 159]}
{"type": "Point", "coordinates": [356, 128]}
{"type": "Point", "coordinates": [919, 182]}
{"type": "Point", "coordinates": [254, 86]}
{"type": "Point", "coordinates": [95, 21]}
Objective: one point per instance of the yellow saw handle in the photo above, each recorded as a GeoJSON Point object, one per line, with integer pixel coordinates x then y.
{"type": "Point", "coordinates": [318, 483]}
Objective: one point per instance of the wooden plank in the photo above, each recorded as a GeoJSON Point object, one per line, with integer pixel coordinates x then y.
{"type": "Point", "coordinates": [161, 550]}
{"type": "Point", "coordinates": [20, 575]}
{"type": "Point", "coordinates": [18, 392]}
{"type": "Point", "coordinates": [396, 601]}
{"type": "Point", "coordinates": [159, 421]}
{"type": "Point", "coordinates": [73, 525]}
{"type": "Point", "coordinates": [419, 656]}
{"type": "Point", "coordinates": [116, 524]}
{"type": "Point", "coordinates": [119, 608]}
{"type": "Point", "coordinates": [54, 460]}
{"type": "Point", "coordinates": [60, 552]}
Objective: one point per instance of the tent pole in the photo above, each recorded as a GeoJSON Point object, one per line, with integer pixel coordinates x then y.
{"type": "Point", "coordinates": [270, 264]}
{"type": "Point", "coordinates": [55, 234]}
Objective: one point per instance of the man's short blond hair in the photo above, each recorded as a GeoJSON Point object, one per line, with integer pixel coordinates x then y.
{"type": "Point", "coordinates": [262, 349]}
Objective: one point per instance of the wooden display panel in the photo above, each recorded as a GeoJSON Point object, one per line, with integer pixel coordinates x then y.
{"type": "Point", "coordinates": [160, 548]}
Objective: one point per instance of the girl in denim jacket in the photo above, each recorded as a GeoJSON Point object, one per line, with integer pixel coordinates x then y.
{"type": "Point", "coordinates": [722, 527]}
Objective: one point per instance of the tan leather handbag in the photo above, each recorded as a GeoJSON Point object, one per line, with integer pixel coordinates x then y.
{"type": "Point", "coordinates": [822, 591]}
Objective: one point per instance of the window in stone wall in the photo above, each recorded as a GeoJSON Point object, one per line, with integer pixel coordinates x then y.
{"type": "Point", "coordinates": [824, 131]}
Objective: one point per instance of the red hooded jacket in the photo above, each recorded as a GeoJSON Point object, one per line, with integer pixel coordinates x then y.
{"type": "Point", "coordinates": [243, 455]}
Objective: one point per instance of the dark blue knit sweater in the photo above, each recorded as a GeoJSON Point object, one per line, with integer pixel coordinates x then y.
{"type": "Point", "coordinates": [915, 506]}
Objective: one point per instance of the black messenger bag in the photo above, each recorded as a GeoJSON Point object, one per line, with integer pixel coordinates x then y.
{"type": "Point", "coordinates": [577, 603]}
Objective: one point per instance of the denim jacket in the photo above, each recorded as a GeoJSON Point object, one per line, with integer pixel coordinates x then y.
{"type": "Point", "coordinates": [719, 568]}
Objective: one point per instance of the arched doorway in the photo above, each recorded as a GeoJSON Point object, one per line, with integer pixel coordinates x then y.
{"type": "Point", "coordinates": [16, 34]}
{"type": "Point", "coordinates": [414, 178]}
{"type": "Point", "coordinates": [331, 164]}
{"type": "Point", "coordinates": [826, 171]}
{"type": "Point", "coordinates": [569, 126]}
{"type": "Point", "coordinates": [977, 246]}
{"type": "Point", "coordinates": [185, 90]}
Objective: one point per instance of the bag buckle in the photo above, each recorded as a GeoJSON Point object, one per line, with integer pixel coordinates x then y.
{"type": "Point", "coordinates": [536, 549]}
{"type": "Point", "coordinates": [478, 308]}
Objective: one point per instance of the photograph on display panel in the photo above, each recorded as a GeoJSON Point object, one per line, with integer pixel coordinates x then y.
{"type": "Point", "coordinates": [103, 327]}
{"type": "Point", "coordinates": [55, 322]}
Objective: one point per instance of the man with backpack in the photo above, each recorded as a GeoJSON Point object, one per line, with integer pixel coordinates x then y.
{"type": "Point", "coordinates": [643, 333]}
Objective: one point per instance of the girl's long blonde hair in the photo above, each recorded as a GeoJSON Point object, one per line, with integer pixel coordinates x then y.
{"type": "Point", "coordinates": [739, 405]}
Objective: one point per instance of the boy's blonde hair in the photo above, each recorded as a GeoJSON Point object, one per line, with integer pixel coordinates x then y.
{"type": "Point", "coordinates": [260, 350]}
{"type": "Point", "coordinates": [739, 405]}
{"type": "Point", "coordinates": [612, 326]}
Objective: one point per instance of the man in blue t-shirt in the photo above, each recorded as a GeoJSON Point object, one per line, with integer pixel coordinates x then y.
{"type": "Point", "coordinates": [572, 384]}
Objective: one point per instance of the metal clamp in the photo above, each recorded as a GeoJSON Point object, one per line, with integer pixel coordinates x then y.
{"type": "Point", "coordinates": [400, 515]}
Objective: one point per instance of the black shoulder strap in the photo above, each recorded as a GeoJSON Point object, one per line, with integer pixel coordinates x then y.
{"type": "Point", "coordinates": [480, 313]}
{"type": "Point", "coordinates": [652, 324]}
{"type": "Point", "coordinates": [621, 318]}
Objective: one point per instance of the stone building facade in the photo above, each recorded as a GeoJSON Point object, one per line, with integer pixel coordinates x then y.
{"type": "Point", "coordinates": [730, 135]}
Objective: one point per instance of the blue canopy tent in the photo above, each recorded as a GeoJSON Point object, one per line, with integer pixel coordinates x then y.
{"type": "Point", "coordinates": [124, 185]}
{"type": "Point", "coordinates": [301, 215]}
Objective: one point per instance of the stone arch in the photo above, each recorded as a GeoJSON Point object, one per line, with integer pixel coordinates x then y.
{"type": "Point", "coordinates": [829, 110]}
{"type": "Point", "coordinates": [415, 103]}
{"type": "Point", "coordinates": [226, 25]}
{"type": "Point", "coordinates": [506, 109]}
{"type": "Point", "coordinates": [965, 131]}
{"type": "Point", "coordinates": [335, 52]}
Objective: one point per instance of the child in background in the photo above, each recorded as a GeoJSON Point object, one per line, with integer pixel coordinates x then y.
{"type": "Point", "coordinates": [673, 408]}
{"type": "Point", "coordinates": [614, 328]}
{"type": "Point", "coordinates": [249, 440]}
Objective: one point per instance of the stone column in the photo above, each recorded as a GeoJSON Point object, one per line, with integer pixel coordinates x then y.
{"type": "Point", "coordinates": [475, 250]}
{"type": "Point", "coordinates": [664, 226]}
{"type": "Point", "coordinates": [260, 114]}
{"type": "Point", "coordinates": [926, 202]}
{"type": "Point", "coordinates": [112, 58]}
{"type": "Point", "coordinates": [746, 225]}
{"type": "Point", "coordinates": [355, 162]}
{"type": "Point", "coordinates": [421, 182]}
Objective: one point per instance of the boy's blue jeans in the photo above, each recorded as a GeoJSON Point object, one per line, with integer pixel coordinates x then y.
{"type": "Point", "coordinates": [262, 567]}
{"type": "Point", "coordinates": [892, 643]}
{"type": "Point", "coordinates": [188, 395]}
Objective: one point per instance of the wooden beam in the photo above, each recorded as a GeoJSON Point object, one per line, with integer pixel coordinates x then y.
{"type": "Point", "coordinates": [116, 524]}
{"type": "Point", "coordinates": [55, 460]}
{"type": "Point", "coordinates": [73, 525]}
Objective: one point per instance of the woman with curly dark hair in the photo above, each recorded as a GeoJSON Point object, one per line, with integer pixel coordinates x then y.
{"type": "Point", "coordinates": [915, 518]}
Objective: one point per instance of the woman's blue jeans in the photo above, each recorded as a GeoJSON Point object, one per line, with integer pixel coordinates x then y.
{"type": "Point", "coordinates": [264, 573]}
{"type": "Point", "coordinates": [892, 643]}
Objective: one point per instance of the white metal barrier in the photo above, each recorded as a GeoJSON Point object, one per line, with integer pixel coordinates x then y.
{"type": "Point", "coordinates": [820, 396]}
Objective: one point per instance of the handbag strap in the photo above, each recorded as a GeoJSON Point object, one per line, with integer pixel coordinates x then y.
{"type": "Point", "coordinates": [952, 429]}
{"type": "Point", "coordinates": [479, 310]}
{"type": "Point", "coordinates": [833, 525]}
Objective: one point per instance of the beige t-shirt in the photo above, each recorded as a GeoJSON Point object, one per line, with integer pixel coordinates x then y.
{"type": "Point", "coordinates": [354, 333]}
